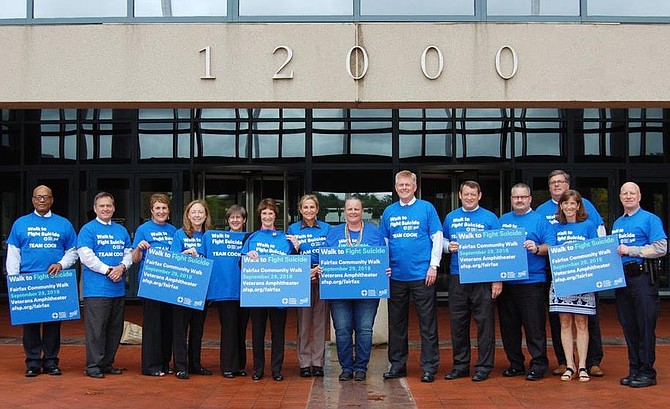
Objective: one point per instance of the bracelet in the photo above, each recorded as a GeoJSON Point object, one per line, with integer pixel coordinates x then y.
{"type": "Point", "coordinates": [537, 250]}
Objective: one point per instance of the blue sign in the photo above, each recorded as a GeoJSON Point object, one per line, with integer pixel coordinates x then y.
{"type": "Point", "coordinates": [40, 297]}
{"type": "Point", "coordinates": [354, 272]}
{"type": "Point", "coordinates": [492, 255]}
{"type": "Point", "coordinates": [175, 278]}
{"type": "Point", "coordinates": [586, 266]}
{"type": "Point", "coordinates": [275, 281]}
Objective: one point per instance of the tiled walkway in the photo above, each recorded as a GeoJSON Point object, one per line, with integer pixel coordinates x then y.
{"type": "Point", "coordinates": [132, 390]}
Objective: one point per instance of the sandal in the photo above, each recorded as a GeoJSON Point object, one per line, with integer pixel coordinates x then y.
{"type": "Point", "coordinates": [584, 375]}
{"type": "Point", "coordinates": [568, 375]}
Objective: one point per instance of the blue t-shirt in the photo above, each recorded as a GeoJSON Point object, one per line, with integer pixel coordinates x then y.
{"type": "Point", "coordinates": [460, 221]}
{"type": "Point", "coordinates": [639, 229]}
{"type": "Point", "coordinates": [108, 242]}
{"type": "Point", "coordinates": [181, 242]}
{"type": "Point", "coordinates": [42, 240]}
{"type": "Point", "coordinates": [268, 242]}
{"type": "Point", "coordinates": [538, 230]}
{"type": "Point", "coordinates": [408, 230]}
{"type": "Point", "coordinates": [549, 209]}
{"type": "Point", "coordinates": [310, 238]}
{"type": "Point", "coordinates": [157, 235]}
{"type": "Point", "coordinates": [372, 236]}
{"type": "Point", "coordinates": [223, 248]}
{"type": "Point", "coordinates": [572, 232]}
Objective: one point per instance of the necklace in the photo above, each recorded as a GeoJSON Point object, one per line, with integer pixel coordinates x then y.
{"type": "Point", "coordinates": [360, 236]}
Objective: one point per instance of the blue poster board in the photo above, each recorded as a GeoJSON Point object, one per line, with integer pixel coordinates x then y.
{"type": "Point", "coordinates": [354, 272]}
{"type": "Point", "coordinates": [275, 281]}
{"type": "Point", "coordinates": [586, 266]}
{"type": "Point", "coordinates": [492, 255]}
{"type": "Point", "coordinates": [43, 298]}
{"type": "Point", "coordinates": [175, 278]}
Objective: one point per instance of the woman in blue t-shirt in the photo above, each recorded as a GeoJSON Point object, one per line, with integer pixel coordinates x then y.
{"type": "Point", "coordinates": [573, 310]}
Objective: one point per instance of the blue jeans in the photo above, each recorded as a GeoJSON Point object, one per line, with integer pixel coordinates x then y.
{"type": "Point", "coordinates": [349, 316]}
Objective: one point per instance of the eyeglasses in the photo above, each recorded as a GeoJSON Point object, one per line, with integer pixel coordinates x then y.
{"type": "Point", "coordinates": [39, 198]}
{"type": "Point", "coordinates": [557, 182]}
{"type": "Point", "coordinates": [520, 197]}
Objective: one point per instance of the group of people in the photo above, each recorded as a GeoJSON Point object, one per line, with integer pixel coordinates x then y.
{"type": "Point", "coordinates": [416, 241]}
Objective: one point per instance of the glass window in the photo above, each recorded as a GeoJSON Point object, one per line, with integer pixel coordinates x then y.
{"type": "Point", "coordinates": [601, 135]}
{"type": "Point", "coordinates": [645, 139]}
{"type": "Point", "coordinates": [157, 136]}
{"type": "Point", "coordinates": [417, 7]}
{"type": "Point", "coordinates": [427, 135]}
{"type": "Point", "coordinates": [222, 139]}
{"type": "Point", "coordinates": [279, 133]}
{"type": "Point", "coordinates": [370, 137]}
{"type": "Point", "coordinates": [180, 8]}
{"type": "Point", "coordinates": [9, 139]}
{"type": "Point", "coordinates": [79, 8]}
{"type": "Point", "coordinates": [650, 8]}
{"type": "Point", "coordinates": [296, 8]}
{"type": "Point", "coordinates": [482, 133]}
{"type": "Point", "coordinates": [532, 7]}
{"type": "Point", "coordinates": [12, 9]}
{"type": "Point", "coordinates": [538, 133]}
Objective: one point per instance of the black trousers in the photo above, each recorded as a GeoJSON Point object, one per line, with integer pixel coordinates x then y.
{"type": "Point", "coordinates": [259, 317]}
{"type": "Point", "coordinates": [468, 301]}
{"type": "Point", "coordinates": [522, 306]}
{"type": "Point", "coordinates": [103, 322]}
{"type": "Point", "coordinates": [188, 325]}
{"type": "Point", "coordinates": [41, 343]}
{"type": "Point", "coordinates": [156, 336]}
{"type": "Point", "coordinates": [233, 348]}
{"type": "Point", "coordinates": [425, 300]}
{"type": "Point", "coordinates": [595, 353]}
{"type": "Point", "coordinates": [637, 307]}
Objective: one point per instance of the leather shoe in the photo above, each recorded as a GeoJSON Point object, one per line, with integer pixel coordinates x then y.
{"type": "Point", "coordinates": [480, 376]}
{"type": "Point", "coordinates": [154, 373]}
{"type": "Point", "coordinates": [455, 374]}
{"type": "Point", "coordinates": [317, 371]}
{"type": "Point", "coordinates": [182, 375]}
{"type": "Point", "coordinates": [31, 373]}
{"type": "Point", "coordinates": [360, 376]}
{"type": "Point", "coordinates": [112, 371]}
{"type": "Point", "coordinates": [200, 371]}
{"type": "Point", "coordinates": [228, 374]}
{"type": "Point", "coordinates": [559, 370]}
{"type": "Point", "coordinates": [393, 374]}
{"type": "Point", "coordinates": [642, 381]}
{"type": "Point", "coordinates": [510, 372]}
{"type": "Point", "coordinates": [626, 381]}
{"type": "Point", "coordinates": [53, 370]}
{"type": "Point", "coordinates": [95, 374]}
{"type": "Point", "coordinates": [257, 376]}
{"type": "Point", "coordinates": [277, 376]}
{"type": "Point", "coordinates": [596, 371]}
{"type": "Point", "coordinates": [428, 377]}
{"type": "Point", "coordinates": [345, 376]}
{"type": "Point", "coordinates": [305, 372]}
{"type": "Point", "coordinates": [534, 376]}
{"type": "Point", "coordinates": [240, 372]}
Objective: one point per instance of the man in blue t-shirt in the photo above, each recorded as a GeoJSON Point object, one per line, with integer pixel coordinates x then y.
{"type": "Point", "coordinates": [522, 302]}
{"type": "Point", "coordinates": [642, 243]}
{"type": "Point", "coordinates": [41, 242]}
{"type": "Point", "coordinates": [104, 249]}
{"type": "Point", "coordinates": [476, 300]}
{"type": "Point", "coordinates": [559, 182]}
{"type": "Point", "coordinates": [412, 228]}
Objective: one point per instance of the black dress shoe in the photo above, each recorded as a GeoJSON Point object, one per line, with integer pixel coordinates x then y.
{"type": "Point", "coordinates": [480, 376]}
{"type": "Point", "coordinates": [277, 376]}
{"type": "Point", "coordinates": [257, 376]}
{"type": "Point", "coordinates": [112, 371]}
{"type": "Point", "coordinates": [626, 381]}
{"type": "Point", "coordinates": [360, 376]}
{"type": "Point", "coordinates": [642, 381]}
{"type": "Point", "coordinates": [95, 374]}
{"type": "Point", "coordinates": [31, 373]}
{"type": "Point", "coordinates": [154, 373]}
{"type": "Point", "coordinates": [240, 372]}
{"type": "Point", "coordinates": [393, 374]}
{"type": "Point", "coordinates": [455, 374]}
{"type": "Point", "coordinates": [228, 374]}
{"type": "Point", "coordinates": [305, 372]}
{"type": "Point", "coordinates": [200, 371]}
{"type": "Point", "coordinates": [510, 372]}
{"type": "Point", "coordinates": [317, 371]}
{"type": "Point", "coordinates": [345, 376]}
{"type": "Point", "coordinates": [53, 370]}
{"type": "Point", "coordinates": [428, 377]}
{"type": "Point", "coordinates": [534, 376]}
{"type": "Point", "coordinates": [182, 375]}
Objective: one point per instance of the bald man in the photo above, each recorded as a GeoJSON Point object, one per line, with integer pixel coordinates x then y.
{"type": "Point", "coordinates": [41, 242]}
{"type": "Point", "coordinates": [642, 242]}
